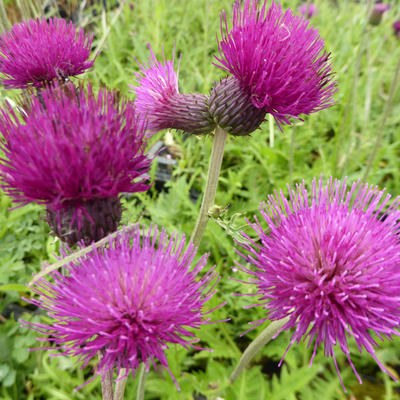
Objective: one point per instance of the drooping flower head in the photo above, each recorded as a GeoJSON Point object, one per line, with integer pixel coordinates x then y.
{"type": "Point", "coordinates": [128, 301]}
{"type": "Point", "coordinates": [37, 52]}
{"type": "Point", "coordinates": [160, 104]}
{"type": "Point", "coordinates": [307, 10]}
{"type": "Point", "coordinates": [74, 153]}
{"type": "Point", "coordinates": [276, 61]}
{"type": "Point", "coordinates": [377, 13]}
{"type": "Point", "coordinates": [396, 28]}
{"type": "Point", "coordinates": [331, 263]}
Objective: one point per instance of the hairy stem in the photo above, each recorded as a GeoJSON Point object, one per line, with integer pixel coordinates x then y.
{"type": "Point", "coordinates": [271, 131]}
{"type": "Point", "coordinates": [120, 385]}
{"type": "Point", "coordinates": [256, 345]}
{"type": "Point", "coordinates": [106, 383]}
{"type": "Point", "coordinates": [214, 169]}
{"type": "Point", "coordinates": [142, 382]}
{"type": "Point", "coordinates": [79, 253]}
{"type": "Point", "coordinates": [291, 154]}
{"type": "Point", "coordinates": [107, 387]}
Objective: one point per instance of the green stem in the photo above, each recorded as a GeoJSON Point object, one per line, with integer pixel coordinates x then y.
{"type": "Point", "coordinates": [291, 154]}
{"type": "Point", "coordinates": [256, 345]}
{"type": "Point", "coordinates": [79, 253]}
{"type": "Point", "coordinates": [385, 115]}
{"type": "Point", "coordinates": [271, 131]}
{"type": "Point", "coordinates": [142, 382]}
{"type": "Point", "coordinates": [120, 385]}
{"type": "Point", "coordinates": [214, 169]}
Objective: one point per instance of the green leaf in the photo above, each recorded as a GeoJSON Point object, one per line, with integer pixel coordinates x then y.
{"type": "Point", "coordinates": [16, 287]}
{"type": "Point", "coordinates": [10, 378]}
{"type": "Point", "coordinates": [4, 370]}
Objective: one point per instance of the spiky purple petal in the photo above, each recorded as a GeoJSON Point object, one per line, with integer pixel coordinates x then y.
{"type": "Point", "coordinates": [159, 103]}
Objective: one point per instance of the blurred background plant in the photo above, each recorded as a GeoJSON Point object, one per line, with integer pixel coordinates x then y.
{"type": "Point", "coordinates": [337, 141]}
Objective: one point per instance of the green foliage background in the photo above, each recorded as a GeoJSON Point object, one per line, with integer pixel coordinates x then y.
{"type": "Point", "coordinates": [336, 142]}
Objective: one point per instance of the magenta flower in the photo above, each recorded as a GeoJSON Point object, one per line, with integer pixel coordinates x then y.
{"type": "Point", "coordinates": [396, 28]}
{"type": "Point", "coordinates": [160, 104]}
{"type": "Point", "coordinates": [74, 153]}
{"type": "Point", "coordinates": [37, 52]}
{"type": "Point", "coordinates": [307, 10]}
{"type": "Point", "coordinates": [331, 263]}
{"type": "Point", "coordinates": [276, 59]}
{"type": "Point", "coordinates": [128, 301]}
{"type": "Point", "coordinates": [377, 13]}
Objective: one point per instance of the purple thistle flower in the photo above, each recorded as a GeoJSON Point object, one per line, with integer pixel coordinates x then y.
{"type": "Point", "coordinates": [74, 153]}
{"type": "Point", "coordinates": [37, 52]}
{"type": "Point", "coordinates": [377, 13]}
{"type": "Point", "coordinates": [307, 10]}
{"type": "Point", "coordinates": [159, 103]}
{"type": "Point", "coordinates": [128, 301]}
{"type": "Point", "coordinates": [276, 59]}
{"type": "Point", "coordinates": [396, 28]}
{"type": "Point", "coordinates": [331, 263]}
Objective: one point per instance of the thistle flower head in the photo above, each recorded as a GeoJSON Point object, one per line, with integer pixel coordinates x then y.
{"type": "Point", "coordinates": [71, 150]}
{"type": "Point", "coordinates": [331, 263]}
{"type": "Point", "coordinates": [277, 60]}
{"type": "Point", "coordinates": [128, 301]}
{"type": "Point", "coordinates": [159, 103]}
{"type": "Point", "coordinates": [377, 13]}
{"type": "Point", "coordinates": [396, 28]}
{"type": "Point", "coordinates": [307, 10]}
{"type": "Point", "coordinates": [37, 52]}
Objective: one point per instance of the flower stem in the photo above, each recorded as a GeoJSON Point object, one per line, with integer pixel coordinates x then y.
{"type": "Point", "coordinates": [79, 253]}
{"type": "Point", "coordinates": [271, 131]}
{"type": "Point", "coordinates": [120, 385]}
{"type": "Point", "coordinates": [214, 169]}
{"type": "Point", "coordinates": [256, 345]}
{"type": "Point", "coordinates": [142, 382]}
{"type": "Point", "coordinates": [385, 115]}
{"type": "Point", "coordinates": [107, 386]}
{"type": "Point", "coordinates": [291, 154]}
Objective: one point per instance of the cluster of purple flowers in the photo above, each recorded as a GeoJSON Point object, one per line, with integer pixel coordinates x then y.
{"type": "Point", "coordinates": [330, 262]}
{"type": "Point", "coordinates": [276, 63]}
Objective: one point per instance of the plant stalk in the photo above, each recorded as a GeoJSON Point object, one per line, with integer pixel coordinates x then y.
{"type": "Point", "coordinates": [79, 253]}
{"type": "Point", "coordinates": [214, 169]}
{"type": "Point", "coordinates": [107, 387]}
{"type": "Point", "coordinates": [120, 385]}
{"type": "Point", "coordinates": [385, 115]}
{"type": "Point", "coordinates": [271, 131]}
{"type": "Point", "coordinates": [142, 382]}
{"type": "Point", "coordinates": [291, 154]}
{"type": "Point", "coordinates": [106, 383]}
{"type": "Point", "coordinates": [256, 345]}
